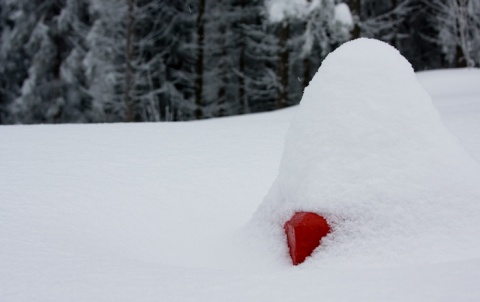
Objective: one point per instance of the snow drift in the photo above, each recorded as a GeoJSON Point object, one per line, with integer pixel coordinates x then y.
{"type": "Point", "coordinates": [368, 151]}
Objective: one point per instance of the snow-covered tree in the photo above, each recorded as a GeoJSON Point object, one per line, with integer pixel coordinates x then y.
{"type": "Point", "coordinates": [73, 24]}
{"type": "Point", "coordinates": [162, 60]}
{"type": "Point", "coordinates": [104, 61]}
{"type": "Point", "coordinates": [17, 24]}
{"type": "Point", "coordinates": [458, 30]}
{"type": "Point", "coordinates": [200, 60]}
{"type": "Point", "coordinates": [306, 28]}
{"type": "Point", "coordinates": [178, 44]}
{"type": "Point", "coordinates": [221, 58]}
{"type": "Point", "coordinates": [415, 38]}
{"type": "Point", "coordinates": [132, 58]}
{"type": "Point", "coordinates": [380, 19]}
{"type": "Point", "coordinates": [327, 25]}
{"type": "Point", "coordinates": [40, 54]}
{"type": "Point", "coordinates": [44, 96]}
{"type": "Point", "coordinates": [240, 55]}
{"type": "Point", "coordinates": [258, 47]}
{"type": "Point", "coordinates": [145, 61]}
{"type": "Point", "coordinates": [218, 48]}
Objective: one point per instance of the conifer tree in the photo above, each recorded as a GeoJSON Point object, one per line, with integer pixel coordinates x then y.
{"type": "Point", "coordinates": [457, 23]}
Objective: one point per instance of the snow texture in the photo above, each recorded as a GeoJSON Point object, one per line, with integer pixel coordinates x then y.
{"type": "Point", "coordinates": [368, 151]}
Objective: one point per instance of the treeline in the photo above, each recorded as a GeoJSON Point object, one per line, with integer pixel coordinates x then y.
{"type": "Point", "coordinates": [83, 61]}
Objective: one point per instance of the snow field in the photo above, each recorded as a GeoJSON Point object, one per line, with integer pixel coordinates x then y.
{"type": "Point", "coordinates": [151, 212]}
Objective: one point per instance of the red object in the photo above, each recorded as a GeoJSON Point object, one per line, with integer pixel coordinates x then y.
{"type": "Point", "coordinates": [304, 231]}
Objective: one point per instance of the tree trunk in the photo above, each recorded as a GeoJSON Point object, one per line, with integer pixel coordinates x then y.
{"type": "Point", "coordinates": [460, 60]}
{"type": "Point", "coordinates": [241, 67]}
{"type": "Point", "coordinates": [129, 116]}
{"type": "Point", "coordinates": [222, 90]}
{"type": "Point", "coordinates": [356, 8]}
{"type": "Point", "coordinates": [306, 71]}
{"type": "Point", "coordinates": [241, 78]}
{"type": "Point", "coordinates": [462, 55]}
{"type": "Point", "coordinates": [395, 28]}
{"type": "Point", "coordinates": [199, 64]}
{"type": "Point", "coordinates": [283, 64]}
{"type": "Point", "coordinates": [306, 62]}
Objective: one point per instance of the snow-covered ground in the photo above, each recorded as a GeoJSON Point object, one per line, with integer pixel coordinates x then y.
{"type": "Point", "coordinates": [158, 212]}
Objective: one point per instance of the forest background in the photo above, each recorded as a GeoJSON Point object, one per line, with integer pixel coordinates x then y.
{"type": "Point", "coordinates": [96, 61]}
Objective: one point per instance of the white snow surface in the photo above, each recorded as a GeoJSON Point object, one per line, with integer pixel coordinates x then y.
{"type": "Point", "coordinates": [160, 212]}
{"type": "Point", "coordinates": [343, 14]}
{"type": "Point", "coordinates": [369, 152]}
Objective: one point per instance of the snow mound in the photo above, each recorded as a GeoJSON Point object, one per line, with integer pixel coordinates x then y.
{"type": "Point", "coordinates": [368, 151]}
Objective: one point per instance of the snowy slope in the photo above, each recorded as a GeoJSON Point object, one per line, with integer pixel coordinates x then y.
{"type": "Point", "coordinates": [368, 151]}
{"type": "Point", "coordinates": [456, 95]}
{"type": "Point", "coordinates": [155, 212]}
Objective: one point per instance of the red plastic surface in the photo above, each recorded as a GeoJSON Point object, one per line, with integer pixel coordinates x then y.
{"type": "Point", "coordinates": [304, 232]}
